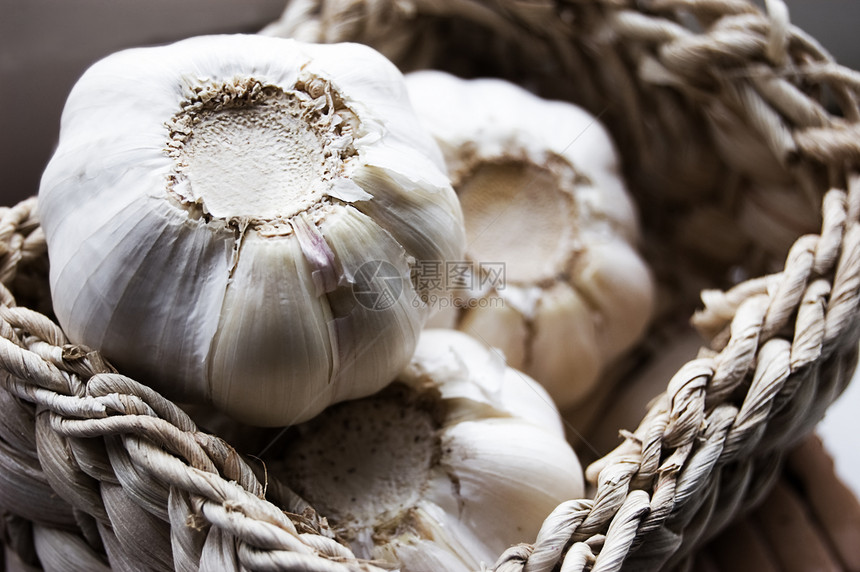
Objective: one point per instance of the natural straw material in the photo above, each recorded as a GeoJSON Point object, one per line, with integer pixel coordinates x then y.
{"type": "Point", "coordinates": [738, 134]}
{"type": "Point", "coordinates": [810, 520]}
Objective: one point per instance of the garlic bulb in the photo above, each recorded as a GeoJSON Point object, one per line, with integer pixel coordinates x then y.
{"type": "Point", "coordinates": [233, 219]}
{"type": "Point", "coordinates": [444, 469]}
{"type": "Point", "coordinates": [553, 276]}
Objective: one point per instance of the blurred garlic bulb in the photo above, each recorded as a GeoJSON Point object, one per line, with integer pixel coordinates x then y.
{"type": "Point", "coordinates": [443, 470]}
{"type": "Point", "coordinates": [553, 276]}
{"type": "Point", "coordinates": [233, 219]}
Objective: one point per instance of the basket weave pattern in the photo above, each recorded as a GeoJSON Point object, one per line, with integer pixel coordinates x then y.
{"type": "Point", "coordinates": [98, 471]}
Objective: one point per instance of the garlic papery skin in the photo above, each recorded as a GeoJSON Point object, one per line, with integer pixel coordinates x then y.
{"type": "Point", "coordinates": [556, 281]}
{"type": "Point", "coordinates": [233, 220]}
{"type": "Point", "coordinates": [457, 460]}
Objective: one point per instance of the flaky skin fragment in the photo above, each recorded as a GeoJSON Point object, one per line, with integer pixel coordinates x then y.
{"type": "Point", "coordinates": [233, 220]}
{"type": "Point", "coordinates": [556, 281]}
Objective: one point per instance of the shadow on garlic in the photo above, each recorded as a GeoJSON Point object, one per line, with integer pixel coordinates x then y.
{"type": "Point", "coordinates": [443, 470]}
{"type": "Point", "coordinates": [543, 198]}
{"type": "Point", "coordinates": [233, 220]}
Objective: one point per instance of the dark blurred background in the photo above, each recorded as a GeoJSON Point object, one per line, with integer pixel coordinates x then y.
{"type": "Point", "coordinates": [46, 44]}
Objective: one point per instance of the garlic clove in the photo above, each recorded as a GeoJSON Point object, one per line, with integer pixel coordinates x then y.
{"type": "Point", "coordinates": [416, 554]}
{"type": "Point", "coordinates": [181, 168]}
{"type": "Point", "coordinates": [583, 359]}
{"type": "Point", "coordinates": [184, 321]}
{"type": "Point", "coordinates": [435, 519]}
{"type": "Point", "coordinates": [444, 312]}
{"type": "Point", "coordinates": [374, 318]}
{"type": "Point", "coordinates": [469, 375]}
{"type": "Point", "coordinates": [500, 326]}
{"type": "Point", "coordinates": [252, 341]}
{"type": "Point", "coordinates": [408, 205]}
{"type": "Point", "coordinates": [616, 282]}
{"type": "Point", "coordinates": [486, 461]}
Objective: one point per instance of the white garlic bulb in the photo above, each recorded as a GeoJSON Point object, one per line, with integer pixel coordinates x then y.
{"type": "Point", "coordinates": [234, 219]}
{"type": "Point", "coordinates": [444, 469]}
{"type": "Point", "coordinates": [553, 276]}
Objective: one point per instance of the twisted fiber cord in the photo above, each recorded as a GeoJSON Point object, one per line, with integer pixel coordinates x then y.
{"type": "Point", "coordinates": [722, 63]}
{"type": "Point", "coordinates": [154, 477]}
{"type": "Point", "coordinates": [21, 238]}
{"type": "Point", "coordinates": [146, 440]}
{"type": "Point", "coordinates": [733, 434]}
{"type": "Point", "coordinates": [696, 62]}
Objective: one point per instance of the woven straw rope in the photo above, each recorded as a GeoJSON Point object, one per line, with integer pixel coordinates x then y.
{"type": "Point", "coordinates": [92, 463]}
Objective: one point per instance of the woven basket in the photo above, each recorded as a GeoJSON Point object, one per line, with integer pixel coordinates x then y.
{"type": "Point", "coordinates": [740, 139]}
